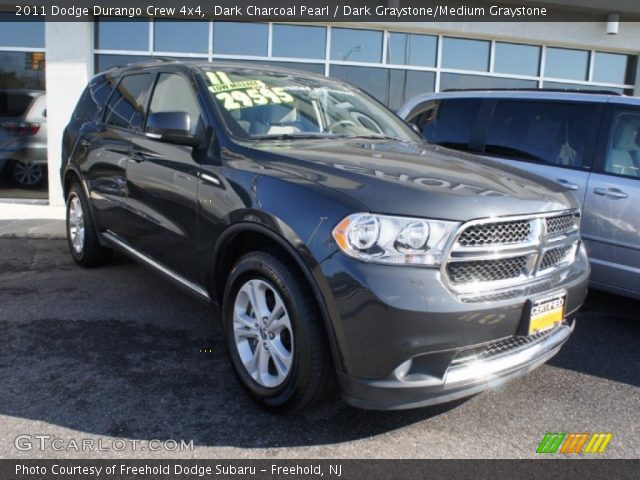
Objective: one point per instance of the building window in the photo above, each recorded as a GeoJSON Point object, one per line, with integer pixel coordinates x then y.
{"type": "Point", "coordinates": [182, 36]}
{"type": "Point", "coordinates": [122, 35]}
{"type": "Point", "coordinates": [356, 45]}
{"type": "Point", "coordinates": [516, 59]}
{"type": "Point", "coordinates": [20, 33]}
{"type": "Point", "coordinates": [463, 54]}
{"type": "Point", "coordinates": [411, 49]}
{"type": "Point", "coordinates": [456, 81]}
{"type": "Point", "coordinates": [22, 70]}
{"type": "Point", "coordinates": [412, 64]}
{"type": "Point", "coordinates": [565, 63]}
{"type": "Point", "coordinates": [296, 41]}
{"type": "Point", "coordinates": [614, 68]}
{"type": "Point", "coordinates": [237, 38]}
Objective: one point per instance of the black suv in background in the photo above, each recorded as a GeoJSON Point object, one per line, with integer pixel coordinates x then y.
{"type": "Point", "coordinates": [337, 243]}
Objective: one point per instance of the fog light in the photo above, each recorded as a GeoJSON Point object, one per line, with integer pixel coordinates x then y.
{"type": "Point", "coordinates": [403, 369]}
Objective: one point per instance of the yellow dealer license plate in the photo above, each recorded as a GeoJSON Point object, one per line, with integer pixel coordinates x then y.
{"type": "Point", "coordinates": [546, 312]}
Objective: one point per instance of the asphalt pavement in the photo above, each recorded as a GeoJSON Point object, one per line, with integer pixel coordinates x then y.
{"type": "Point", "coordinates": [115, 357]}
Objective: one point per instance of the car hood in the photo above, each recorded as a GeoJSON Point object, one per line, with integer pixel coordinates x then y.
{"type": "Point", "coordinates": [417, 179]}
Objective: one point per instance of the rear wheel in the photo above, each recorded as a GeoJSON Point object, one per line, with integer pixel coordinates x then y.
{"type": "Point", "coordinates": [274, 334]}
{"type": "Point", "coordinates": [82, 235]}
{"type": "Point", "coordinates": [28, 174]}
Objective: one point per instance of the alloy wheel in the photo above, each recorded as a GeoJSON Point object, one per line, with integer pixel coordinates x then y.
{"type": "Point", "coordinates": [263, 334]}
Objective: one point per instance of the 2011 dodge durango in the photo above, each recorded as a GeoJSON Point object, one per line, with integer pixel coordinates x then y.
{"type": "Point", "coordinates": [340, 247]}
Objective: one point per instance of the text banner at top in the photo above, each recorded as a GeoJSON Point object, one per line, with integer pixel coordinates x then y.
{"type": "Point", "coordinates": [323, 10]}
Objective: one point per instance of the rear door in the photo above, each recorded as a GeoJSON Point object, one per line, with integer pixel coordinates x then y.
{"type": "Point", "coordinates": [162, 181]}
{"type": "Point", "coordinates": [102, 152]}
{"type": "Point", "coordinates": [555, 140]}
{"type": "Point", "coordinates": [611, 217]}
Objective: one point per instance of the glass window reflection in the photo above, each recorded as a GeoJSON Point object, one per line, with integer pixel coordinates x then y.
{"type": "Point", "coordinates": [298, 41]}
{"type": "Point", "coordinates": [565, 63]}
{"type": "Point", "coordinates": [356, 45]}
{"type": "Point", "coordinates": [132, 34]}
{"type": "Point", "coordinates": [410, 49]}
{"type": "Point", "coordinates": [613, 68]}
{"type": "Point", "coordinates": [465, 54]}
{"type": "Point", "coordinates": [238, 38]}
{"type": "Point", "coordinates": [181, 36]}
{"type": "Point", "coordinates": [517, 59]}
{"type": "Point", "coordinates": [15, 32]}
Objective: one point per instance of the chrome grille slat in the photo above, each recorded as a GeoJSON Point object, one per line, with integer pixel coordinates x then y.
{"type": "Point", "coordinates": [499, 347]}
{"type": "Point", "coordinates": [499, 233]}
{"type": "Point", "coordinates": [555, 256]}
{"type": "Point", "coordinates": [561, 224]}
{"type": "Point", "coordinates": [487, 270]}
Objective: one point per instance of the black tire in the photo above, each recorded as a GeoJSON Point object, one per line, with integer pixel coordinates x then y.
{"type": "Point", "coordinates": [311, 375]}
{"type": "Point", "coordinates": [92, 253]}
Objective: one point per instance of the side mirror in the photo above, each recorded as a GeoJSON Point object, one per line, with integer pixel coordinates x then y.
{"type": "Point", "coordinates": [171, 127]}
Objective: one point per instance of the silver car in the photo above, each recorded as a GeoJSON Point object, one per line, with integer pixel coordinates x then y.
{"type": "Point", "coordinates": [23, 136]}
{"type": "Point", "coordinates": [587, 142]}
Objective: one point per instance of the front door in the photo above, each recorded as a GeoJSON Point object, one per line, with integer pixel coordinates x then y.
{"type": "Point", "coordinates": [162, 184]}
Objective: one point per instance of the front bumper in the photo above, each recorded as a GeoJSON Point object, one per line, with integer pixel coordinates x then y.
{"type": "Point", "coordinates": [384, 317]}
{"type": "Point", "coordinates": [459, 381]}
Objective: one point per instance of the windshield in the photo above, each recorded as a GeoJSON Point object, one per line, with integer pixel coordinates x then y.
{"type": "Point", "coordinates": [260, 105]}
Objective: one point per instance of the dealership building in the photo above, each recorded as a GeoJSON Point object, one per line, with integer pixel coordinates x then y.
{"type": "Point", "coordinates": [392, 61]}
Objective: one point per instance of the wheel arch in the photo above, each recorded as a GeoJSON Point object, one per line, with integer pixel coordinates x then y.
{"type": "Point", "coordinates": [245, 236]}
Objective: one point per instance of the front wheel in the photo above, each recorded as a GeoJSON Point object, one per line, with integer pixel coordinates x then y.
{"type": "Point", "coordinates": [274, 334]}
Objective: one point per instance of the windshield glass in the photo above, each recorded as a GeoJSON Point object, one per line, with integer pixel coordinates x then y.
{"type": "Point", "coordinates": [260, 105]}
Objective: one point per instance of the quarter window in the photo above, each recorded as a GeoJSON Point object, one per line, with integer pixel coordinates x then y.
{"type": "Point", "coordinates": [126, 105]}
{"type": "Point", "coordinates": [551, 133]}
{"type": "Point", "coordinates": [623, 147]}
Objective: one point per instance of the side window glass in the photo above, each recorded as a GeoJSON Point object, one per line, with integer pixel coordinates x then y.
{"type": "Point", "coordinates": [551, 133]}
{"type": "Point", "coordinates": [93, 99]}
{"type": "Point", "coordinates": [623, 149]}
{"type": "Point", "coordinates": [126, 105]}
{"type": "Point", "coordinates": [173, 93]}
{"type": "Point", "coordinates": [449, 122]}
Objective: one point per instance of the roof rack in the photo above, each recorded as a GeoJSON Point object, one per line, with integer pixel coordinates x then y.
{"type": "Point", "coordinates": [147, 61]}
{"type": "Point", "coordinates": [552, 90]}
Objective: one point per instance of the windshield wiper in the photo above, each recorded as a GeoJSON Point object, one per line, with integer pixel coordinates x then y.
{"type": "Point", "coordinates": [292, 136]}
{"type": "Point", "coordinates": [377, 137]}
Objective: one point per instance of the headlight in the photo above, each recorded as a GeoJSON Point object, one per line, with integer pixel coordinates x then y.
{"type": "Point", "coordinates": [395, 240]}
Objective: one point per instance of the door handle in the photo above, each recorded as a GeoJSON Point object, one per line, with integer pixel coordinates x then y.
{"type": "Point", "coordinates": [85, 143]}
{"type": "Point", "coordinates": [137, 157]}
{"type": "Point", "coordinates": [567, 184]}
{"type": "Point", "coordinates": [205, 177]}
{"type": "Point", "coordinates": [610, 192]}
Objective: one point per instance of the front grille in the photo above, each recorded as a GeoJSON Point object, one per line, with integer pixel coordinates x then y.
{"type": "Point", "coordinates": [501, 233]}
{"type": "Point", "coordinates": [555, 256]}
{"type": "Point", "coordinates": [486, 270]}
{"type": "Point", "coordinates": [488, 258]}
{"type": "Point", "coordinates": [561, 224]}
{"type": "Point", "coordinates": [498, 348]}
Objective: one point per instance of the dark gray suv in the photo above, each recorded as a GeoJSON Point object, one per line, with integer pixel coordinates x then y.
{"type": "Point", "coordinates": [341, 248]}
